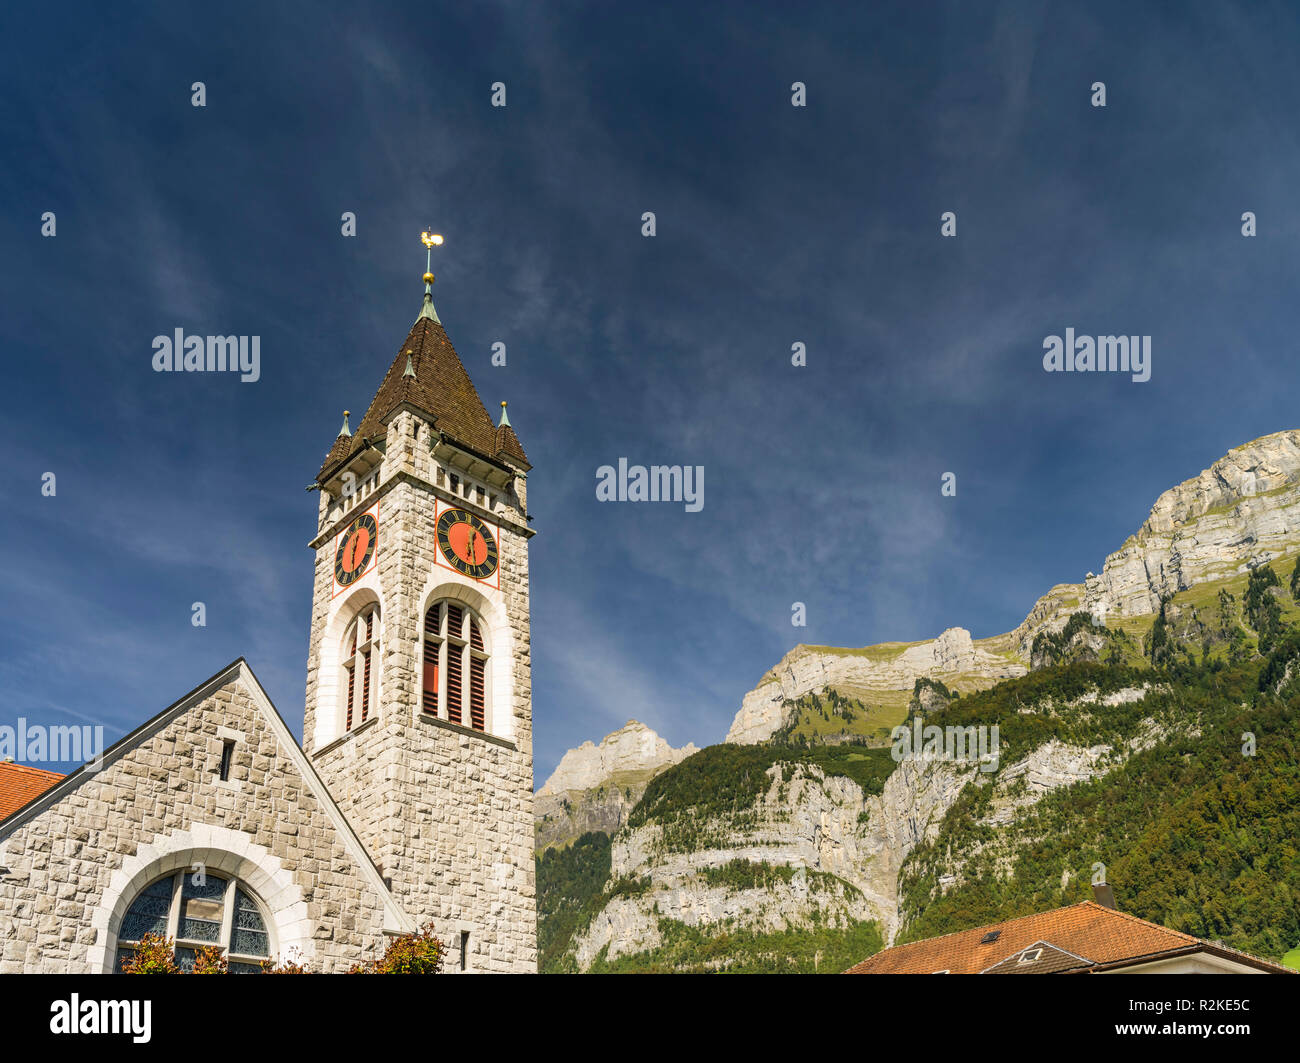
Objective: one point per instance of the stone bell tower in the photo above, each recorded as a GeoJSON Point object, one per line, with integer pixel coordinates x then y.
{"type": "Point", "coordinates": [419, 698]}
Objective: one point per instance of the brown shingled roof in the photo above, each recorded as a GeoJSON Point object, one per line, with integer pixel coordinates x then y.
{"type": "Point", "coordinates": [20, 784]}
{"type": "Point", "coordinates": [1089, 931]}
{"type": "Point", "coordinates": [340, 450]}
{"type": "Point", "coordinates": [441, 387]}
{"type": "Point", "coordinates": [508, 443]}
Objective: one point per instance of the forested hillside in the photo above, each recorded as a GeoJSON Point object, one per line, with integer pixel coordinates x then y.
{"type": "Point", "coordinates": [1163, 755]}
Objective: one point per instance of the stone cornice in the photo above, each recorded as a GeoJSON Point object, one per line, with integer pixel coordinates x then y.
{"type": "Point", "coordinates": [406, 476]}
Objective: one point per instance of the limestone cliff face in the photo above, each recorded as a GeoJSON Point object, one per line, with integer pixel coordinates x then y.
{"type": "Point", "coordinates": [845, 849]}
{"type": "Point", "coordinates": [889, 667]}
{"type": "Point", "coordinates": [594, 787]}
{"type": "Point", "coordinates": [1240, 512]}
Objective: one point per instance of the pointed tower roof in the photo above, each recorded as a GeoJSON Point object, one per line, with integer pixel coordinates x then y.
{"type": "Point", "coordinates": [507, 441]}
{"type": "Point", "coordinates": [438, 384]}
{"type": "Point", "coordinates": [342, 445]}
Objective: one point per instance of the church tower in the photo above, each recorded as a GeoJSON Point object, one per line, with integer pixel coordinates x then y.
{"type": "Point", "coordinates": [419, 698]}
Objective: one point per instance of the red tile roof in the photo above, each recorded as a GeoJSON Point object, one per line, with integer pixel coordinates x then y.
{"type": "Point", "coordinates": [1091, 933]}
{"type": "Point", "coordinates": [20, 784]}
{"type": "Point", "coordinates": [440, 387]}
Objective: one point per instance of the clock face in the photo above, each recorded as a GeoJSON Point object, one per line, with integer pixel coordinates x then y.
{"type": "Point", "coordinates": [467, 543]}
{"type": "Point", "coordinates": [356, 548]}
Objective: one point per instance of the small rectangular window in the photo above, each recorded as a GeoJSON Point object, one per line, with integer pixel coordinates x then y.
{"type": "Point", "coordinates": [227, 755]}
{"type": "Point", "coordinates": [464, 950]}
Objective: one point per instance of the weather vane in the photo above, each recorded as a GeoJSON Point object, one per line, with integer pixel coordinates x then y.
{"type": "Point", "coordinates": [430, 241]}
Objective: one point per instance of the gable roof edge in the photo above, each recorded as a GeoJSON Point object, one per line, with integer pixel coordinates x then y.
{"type": "Point", "coordinates": [396, 919]}
{"type": "Point", "coordinates": [117, 750]}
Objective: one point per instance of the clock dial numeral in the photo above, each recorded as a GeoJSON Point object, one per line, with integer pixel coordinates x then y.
{"type": "Point", "coordinates": [356, 549]}
{"type": "Point", "coordinates": [467, 544]}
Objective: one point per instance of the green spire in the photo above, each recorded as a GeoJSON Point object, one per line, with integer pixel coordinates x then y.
{"type": "Point", "coordinates": [427, 309]}
{"type": "Point", "coordinates": [345, 430]}
{"type": "Point", "coordinates": [505, 417]}
{"type": "Point", "coordinates": [430, 241]}
{"type": "Point", "coordinates": [410, 367]}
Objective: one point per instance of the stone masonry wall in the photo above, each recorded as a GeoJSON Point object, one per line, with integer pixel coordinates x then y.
{"type": "Point", "coordinates": [61, 863]}
{"type": "Point", "coordinates": [446, 812]}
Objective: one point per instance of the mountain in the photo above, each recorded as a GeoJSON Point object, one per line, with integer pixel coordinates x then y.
{"type": "Point", "coordinates": [804, 843]}
{"type": "Point", "coordinates": [594, 787]}
{"type": "Point", "coordinates": [882, 676]}
{"type": "Point", "coordinates": [1241, 511]}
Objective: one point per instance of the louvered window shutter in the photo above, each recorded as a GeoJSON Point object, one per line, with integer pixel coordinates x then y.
{"type": "Point", "coordinates": [351, 673]}
{"type": "Point", "coordinates": [431, 660]}
{"type": "Point", "coordinates": [476, 693]}
{"type": "Point", "coordinates": [365, 686]}
{"type": "Point", "coordinates": [454, 681]}
{"type": "Point", "coordinates": [476, 675]}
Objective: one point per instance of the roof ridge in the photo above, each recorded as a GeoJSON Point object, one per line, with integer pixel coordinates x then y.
{"type": "Point", "coordinates": [13, 765]}
{"type": "Point", "coordinates": [1145, 922]}
{"type": "Point", "coordinates": [989, 926]}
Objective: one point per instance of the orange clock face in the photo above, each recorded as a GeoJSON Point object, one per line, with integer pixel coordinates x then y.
{"type": "Point", "coordinates": [467, 543]}
{"type": "Point", "coordinates": [356, 548]}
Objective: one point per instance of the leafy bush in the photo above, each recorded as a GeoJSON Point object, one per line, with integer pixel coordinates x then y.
{"type": "Point", "coordinates": [417, 953]}
{"type": "Point", "coordinates": [210, 960]}
{"type": "Point", "coordinates": [154, 955]}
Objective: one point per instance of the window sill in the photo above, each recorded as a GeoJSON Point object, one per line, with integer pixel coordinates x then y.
{"type": "Point", "coordinates": [437, 721]}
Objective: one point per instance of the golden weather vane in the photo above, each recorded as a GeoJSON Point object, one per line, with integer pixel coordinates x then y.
{"type": "Point", "coordinates": [430, 241]}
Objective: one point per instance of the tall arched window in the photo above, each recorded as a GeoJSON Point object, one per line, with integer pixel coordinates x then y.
{"type": "Point", "coordinates": [455, 665]}
{"type": "Point", "coordinates": [360, 667]}
{"type": "Point", "coordinates": [195, 911]}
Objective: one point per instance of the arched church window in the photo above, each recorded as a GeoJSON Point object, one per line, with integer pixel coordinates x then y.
{"type": "Point", "coordinates": [361, 667]}
{"type": "Point", "coordinates": [196, 911]}
{"type": "Point", "coordinates": [455, 665]}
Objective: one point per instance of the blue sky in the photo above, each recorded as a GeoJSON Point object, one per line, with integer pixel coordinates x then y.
{"type": "Point", "coordinates": [775, 224]}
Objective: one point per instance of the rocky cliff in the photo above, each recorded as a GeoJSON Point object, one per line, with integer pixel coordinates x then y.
{"type": "Point", "coordinates": [1240, 512]}
{"type": "Point", "coordinates": [594, 787]}
{"type": "Point", "coordinates": [884, 673]}
{"type": "Point", "coordinates": [814, 850]}
{"type": "Point", "coordinates": [819, 846]}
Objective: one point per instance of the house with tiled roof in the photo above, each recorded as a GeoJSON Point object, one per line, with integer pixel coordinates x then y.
{"type": "Point", "coordinates": [409, 802]}
{"type": "Point", "coordinates": [20, 783]}
{"type": "Point", "coordinates": [1084, 938]}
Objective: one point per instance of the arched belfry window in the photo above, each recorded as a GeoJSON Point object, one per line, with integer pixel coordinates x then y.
{"type": "Point", "coordinates": [455, 665]}
{"type": "Point", "coordinates": [360, 668]}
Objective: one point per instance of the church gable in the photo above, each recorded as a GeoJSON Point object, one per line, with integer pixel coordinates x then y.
{"type": "Point", "coordinates": [214, 796]}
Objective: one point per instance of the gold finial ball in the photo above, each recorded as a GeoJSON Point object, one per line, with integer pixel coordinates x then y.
{"type": "Point", "coordinates": [428, 278]}
{"type": "Point", "coordinates": [503, 404]}
{"type": "Point", "coordinates": [346, 412]}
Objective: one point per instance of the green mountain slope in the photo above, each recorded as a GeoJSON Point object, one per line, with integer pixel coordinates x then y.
{"type": "Point", "coordinates": [770, 857]}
